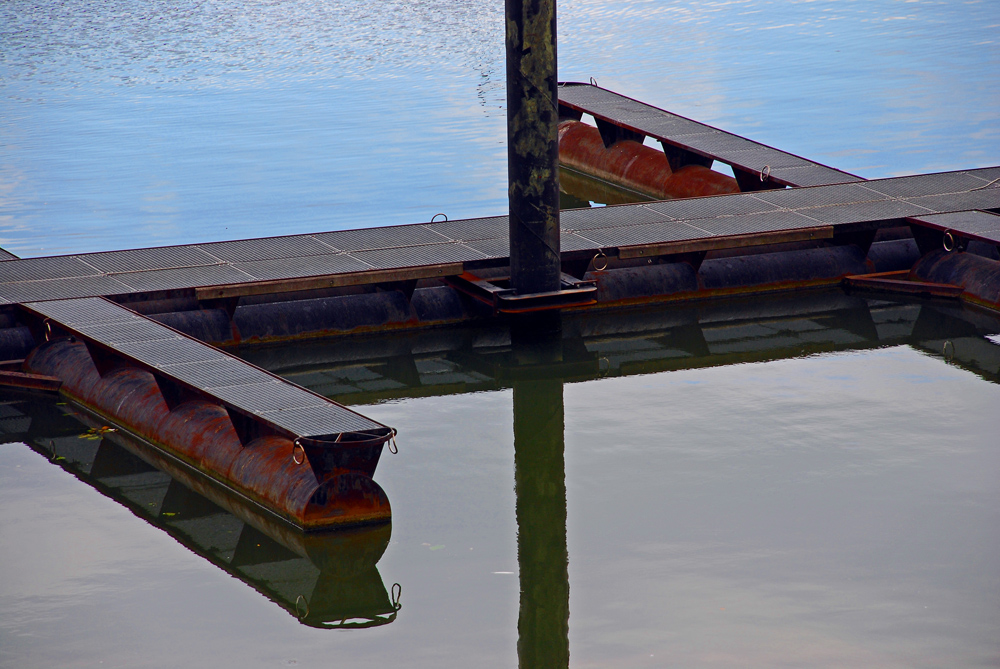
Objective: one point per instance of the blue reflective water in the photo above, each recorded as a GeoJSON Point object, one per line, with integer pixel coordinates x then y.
{"type": "Point", "coordinates": [125, 124]}
{"type": "Point", "coordinates": [832, 510]}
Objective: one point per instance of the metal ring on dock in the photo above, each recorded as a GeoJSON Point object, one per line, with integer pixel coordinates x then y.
{"type": "Point", "coordinates": [436, 215]}
{"type": "Point", "coordinates": [297, 445]}
{"type": "Point", "coordinates": [48, 328]}
{"type": "Point", "coordinates": [945, 351]}
{"type": "Point", "coordinates": [765, 173]}
{"type": "Point", "coordinates": [593, 82]}
{"type": "Point", "coordinates": [298, 609]}
{"type": "Point", "coordinates": [948, 241]}
{"type": "Point", "coordinates": [391, 442]}
{"type": "Point", "coordinates": [600, 254]}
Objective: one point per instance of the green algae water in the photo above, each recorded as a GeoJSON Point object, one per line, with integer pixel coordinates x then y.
{"type": "Point", "coordinates": [808, 481]}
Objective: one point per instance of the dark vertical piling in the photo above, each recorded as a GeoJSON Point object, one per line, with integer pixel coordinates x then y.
{"type": "Point", "coordinates": [533, 145]}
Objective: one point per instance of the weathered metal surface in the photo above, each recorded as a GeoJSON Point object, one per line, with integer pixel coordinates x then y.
{"type": "Point", "coordinates": [637, 167]}
{"type": "Point", "coordinates": [533, 145]}
{"type": "Point", "coordinates": [27, 381]}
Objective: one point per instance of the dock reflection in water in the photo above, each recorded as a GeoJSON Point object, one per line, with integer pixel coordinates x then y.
{"type": "Point", "coordinates": [325, 580]}
{"type": "Point", "coordinates": [644, 341]}
{"type": "Point", "coordinates": [620, 344]}
{"type": "Point", "coordinates": [332, 580]}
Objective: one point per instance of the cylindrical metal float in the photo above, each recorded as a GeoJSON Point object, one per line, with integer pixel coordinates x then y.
{"type": "Point", "coordinates": [635, 166]}
{"type": "Point", "coordinates": [313, 486]}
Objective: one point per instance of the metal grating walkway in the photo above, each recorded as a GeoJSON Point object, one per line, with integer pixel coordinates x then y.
{"type": "Point", "coordinates": [238, 385]}
{"type": "Point", "coordinates": [373, 255]}
{"type": "Point", "coordinates": [698, 138]}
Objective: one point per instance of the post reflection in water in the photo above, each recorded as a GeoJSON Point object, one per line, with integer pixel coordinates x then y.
{"type": "Point", "coordinates": [327, 580]}
{"type": "Point", "coordinates": [540, 487]}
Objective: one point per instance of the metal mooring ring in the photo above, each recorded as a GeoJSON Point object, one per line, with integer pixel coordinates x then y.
{"type": "Point", "coordinates": [948, 346]}
{"type": "Point", "coordinates": [391, 442]}
{"type": "Point", "coordinates": [434, 217]}
{"type": "Point", "coordinates": [604, 264]}
{"type": "Point", "coordinates": [299, 608]}
{"type": "Point", "coordinates": [593, 82]}
{"type": "Point", "coordinates": [765, 173]}
{"type": "Point", "coordinates": [297, 445]}
{"type": "Point", "coordinates": [948, 241]}
{"type": "Point", "coordinates": [48, 329]}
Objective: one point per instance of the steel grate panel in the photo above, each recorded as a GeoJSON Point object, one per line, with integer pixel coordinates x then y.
{"type": "Point", "coordinates": [970, 222]}
{"type": "Point", "coordinates": [126, 332]}
{"type": "Point", "coordinates": [756, 157]}
{"type": "Point", "coordinates": [608, 217]}
{"type": "Point", "coordinates": [164, 352]}
{"type": "Point", "coordinates": [668, 231]}
{"type": "Point", "coordinates": [273, 395]}
{"type": "Point", "coordinates": [573, 242]}
{"type": "Point", "coordinates": [473, 229]}
{"type": "Point", "coordinates": [669, 126]}
{"type": "Point", "coordinates": [925, 184]}
{"type": "Point", "coordinates": [415, 256]}
{"type": "Point", "coordinates": [718, 141]}
{"type": "Point", "coordinates": [39, 269]}
{"type": "Point", "coordinates": [818, 196]}
{"type": "Point", "coordinates": [294, 268]}
{"type": "Point", "coordinates": [216, 373]}
{"type": "Point", "coordinates": [757, 223]}
{"type": "Point", "coordinates": [988, 198]}
{"type": "Point", "coordinates": [84, 311]}
{"type": "Point", "coordinates": [133, 260]}
{"type": "Point", "coordinates": [182, 277]}
{"type": "Point", "coordinates": [62, 289]}
{"type": "Point", "coordinates": [247, 250]}
{"type": "Point", "coordinates": [861, 212]}
{"type": "Point", "coordinates": [581, 94]}
{"type": "Point", "coordinates": [380, 238]}
{"type": "Point", "coordinates": [491, 248]}
{"type": "Point", "coordinates": [813, 175]}
{"type": "Point", "coordinates": [711, 207]}
{"type": "Point", "coordinates": [987, 174]}
{"type": "Point", "coordinates": [319, 420]}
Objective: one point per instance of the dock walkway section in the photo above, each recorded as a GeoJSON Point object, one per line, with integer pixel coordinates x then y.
{"type": "Point", "coordinates": [686, 141]}
{"type": "Point", "coordinates": [286, 408]}
{"type": "Point", "coordinates": [970, 198]}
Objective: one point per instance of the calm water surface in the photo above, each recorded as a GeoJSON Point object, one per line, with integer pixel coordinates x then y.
{"type": "Point", "coordinates": [828, 505]}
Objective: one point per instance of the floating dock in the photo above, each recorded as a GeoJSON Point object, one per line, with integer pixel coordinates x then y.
{"type": "Point", "coordinates": [130, 334]}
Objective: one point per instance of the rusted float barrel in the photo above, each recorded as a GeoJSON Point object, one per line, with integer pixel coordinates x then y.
{"type": "Point", "coordinates": [636, 166]}
{"type": "Point", "coordinates": [748, 274]}
{"type": "Point", "coordinates": [979, 277]}
{"type": "Point", "coordinates": [302, 483]}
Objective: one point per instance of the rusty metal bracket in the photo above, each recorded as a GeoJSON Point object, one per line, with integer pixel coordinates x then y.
{"type": "Point", "coordinates": [504, 300]}
{"type": "Point", "coordinates": [679, 157]}
{"type": "Point", "coordinates": [612, 133]}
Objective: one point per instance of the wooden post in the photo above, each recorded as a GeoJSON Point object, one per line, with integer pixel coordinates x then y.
{"type": "Point", "coordinates": [533, 145]}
